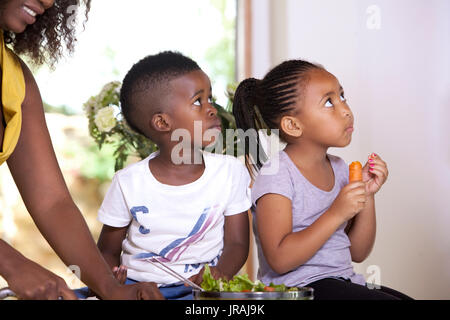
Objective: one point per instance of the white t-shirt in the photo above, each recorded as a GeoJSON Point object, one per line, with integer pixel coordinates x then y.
{"type": "Point", "coordinates": [181, 226]}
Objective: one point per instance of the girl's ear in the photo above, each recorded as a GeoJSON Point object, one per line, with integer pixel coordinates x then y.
{"type": "Point", "coordinates": [291, 126]}
{"type": "Point", "coordinates": [160, 122]}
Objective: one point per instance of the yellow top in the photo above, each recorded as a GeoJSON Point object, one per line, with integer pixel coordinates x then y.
{"type": "Point", "coordinates": [13, 93]}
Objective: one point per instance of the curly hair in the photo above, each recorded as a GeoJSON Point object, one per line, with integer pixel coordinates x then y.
{"type": "Point", "coordinates": [53, 32]}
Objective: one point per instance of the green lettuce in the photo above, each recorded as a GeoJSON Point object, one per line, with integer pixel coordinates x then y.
{"type": "Point", "coordinates": [239, 283]}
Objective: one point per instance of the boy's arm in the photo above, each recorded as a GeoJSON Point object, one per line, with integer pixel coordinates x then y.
{"type": "Point", "coordinates": [110, 244]}
{"type": "Point", "coordinates": [235, 244]}
{"type": "Point", "coordinates": [235, 248]}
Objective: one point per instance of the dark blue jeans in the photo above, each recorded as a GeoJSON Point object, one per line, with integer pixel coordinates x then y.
{"type": "Point", "coordinates": [177, 291]}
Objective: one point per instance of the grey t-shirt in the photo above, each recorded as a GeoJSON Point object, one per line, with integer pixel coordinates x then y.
{"type": "Point", "coordinates": [308, 203]}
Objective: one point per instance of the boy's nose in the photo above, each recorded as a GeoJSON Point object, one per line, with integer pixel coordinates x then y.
{"type": "Point", "coordinates": [212, 111]}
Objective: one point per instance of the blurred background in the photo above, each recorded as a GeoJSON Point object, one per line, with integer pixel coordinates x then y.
{"type": "Point", "coordinates": [391, 57]}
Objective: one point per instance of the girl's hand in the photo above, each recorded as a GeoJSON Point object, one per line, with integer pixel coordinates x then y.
{"type": "Point", "coordinates": [374, 173]}
{"type": "Point", "coordinates": [350, 200]}
{"type": "Point", "coordinates": [215, 272]}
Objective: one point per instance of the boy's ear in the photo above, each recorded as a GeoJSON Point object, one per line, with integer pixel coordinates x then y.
{"type": "Point", "coordinates": [291, 126]}
{"type": "Point", "coordinates": [160, 122]}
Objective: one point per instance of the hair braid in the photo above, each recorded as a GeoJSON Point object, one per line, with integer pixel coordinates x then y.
{"type": "Point", "coordinates": [259, 104]}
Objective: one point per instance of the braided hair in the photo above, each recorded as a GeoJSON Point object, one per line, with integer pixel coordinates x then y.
{"type": "Point", "coordinates": [260, 104]}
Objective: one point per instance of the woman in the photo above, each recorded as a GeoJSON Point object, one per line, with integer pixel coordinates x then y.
{"type": "Point", "coordinates": [41, 29]}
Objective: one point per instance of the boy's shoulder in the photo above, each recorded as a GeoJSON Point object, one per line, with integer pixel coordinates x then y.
{"type": "Point", "coordinates": [133, 169]}
{"type": "Point", "coordinates": [221, 160]}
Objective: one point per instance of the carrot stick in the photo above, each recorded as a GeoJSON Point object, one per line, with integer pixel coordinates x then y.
{"type": "Point", "coordinates": [355, 171]}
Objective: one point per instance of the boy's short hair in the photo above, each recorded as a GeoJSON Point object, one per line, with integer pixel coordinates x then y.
{"type": "Point", "coordinates": [147, 84]}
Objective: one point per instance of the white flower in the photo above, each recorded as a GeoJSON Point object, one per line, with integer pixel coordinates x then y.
{"type": "Point", "coordinates": [104, 119]}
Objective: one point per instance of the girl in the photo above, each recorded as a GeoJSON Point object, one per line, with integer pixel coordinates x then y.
{"type": "Point", "coordinates": [323, 223]}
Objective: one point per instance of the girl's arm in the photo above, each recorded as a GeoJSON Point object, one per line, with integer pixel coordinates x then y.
{"type": "Point", "coordinates": [110, 244]}
{"type": "Point", "coordinates": [235, 248]}
{"type": "Point", "coordinates": [286, 250]}
{"type": "Point", "coordinates": [38, 177]}
{"type": "Point", "coordinates": [361, 231]}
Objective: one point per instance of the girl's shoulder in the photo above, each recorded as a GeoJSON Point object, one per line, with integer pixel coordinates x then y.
{"type": "Point", "coordinates": [279, 167]}
{"type": "Point", "coordinates": [337, 162]}
{"type": "Point", "coordinates": [336, 159]}
{"type": "Point", "coordinates": [340, 169]}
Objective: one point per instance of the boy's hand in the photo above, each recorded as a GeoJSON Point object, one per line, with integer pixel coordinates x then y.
{"type": "Point", "coordinates": [120, 273]}
{"type": "Point", "coordinates": [350, 200]}
{"type": "Point", "coordinates": [374, 173]}
{"type": "Point", "coordinates": [215, 272]}
{"type": "Point", "coordinates": [137, 291]}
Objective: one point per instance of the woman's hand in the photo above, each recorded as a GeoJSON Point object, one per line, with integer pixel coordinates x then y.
{"type": "Point", "coordinates": [30, 281]}
{"type": "Point", "coordinates": [215, 272]}
{"type": "Point", "coordinates": [374, 173]}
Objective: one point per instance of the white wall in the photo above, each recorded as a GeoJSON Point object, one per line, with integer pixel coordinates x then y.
{"type": "Point", "coordinates": [392, 58]}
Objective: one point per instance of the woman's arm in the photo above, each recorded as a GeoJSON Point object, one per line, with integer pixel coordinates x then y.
{"type": "Point", "coordinates": [38, 177]}
{"type": "Point", "coordinates": [28, 280]}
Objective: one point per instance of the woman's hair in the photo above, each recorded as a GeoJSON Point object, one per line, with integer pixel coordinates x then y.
{"type": "Point", "coordinates": [45, 40]}
{"type": "Point", "coordinates": [260, 104]}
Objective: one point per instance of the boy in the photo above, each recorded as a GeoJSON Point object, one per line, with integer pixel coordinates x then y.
{"type": "Point", "coordinates": [184, 207]}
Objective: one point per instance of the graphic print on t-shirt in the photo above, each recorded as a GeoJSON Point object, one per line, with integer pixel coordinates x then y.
{"type": "Point", "coordinates": [174, 250]}
{"type": "Point", "coordinates": [134, 211]}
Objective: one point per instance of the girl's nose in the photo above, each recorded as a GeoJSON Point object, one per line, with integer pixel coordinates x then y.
{"type": "Point", "coordinates": [346, 112]}
{"type": "Point", "coordinates": [47, 3]}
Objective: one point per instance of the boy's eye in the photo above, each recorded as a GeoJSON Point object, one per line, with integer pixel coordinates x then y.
{"type": "Point", "coordinates": [198, 102]}
{"type": "Point", "coordinates": [210, 100]}
{"type": "Point", "coordinates": [343, 98]}
{"type": "Point", "coordinates": [328, 103]}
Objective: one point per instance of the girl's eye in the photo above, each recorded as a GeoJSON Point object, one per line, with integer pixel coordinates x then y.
{"type": "Point", "coordinates": [343, 98]}
{"type": "Point", "coordinates": [328, 103]}
{"type": "Point", "coordinates": [210, 100]}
